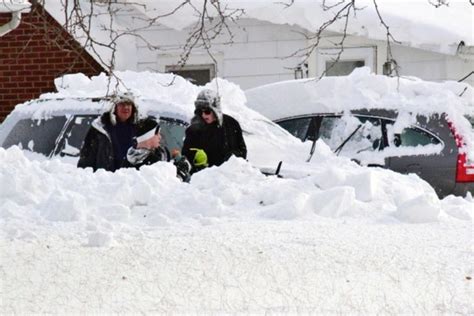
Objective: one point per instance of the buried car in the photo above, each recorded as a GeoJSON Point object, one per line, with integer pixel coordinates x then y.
{"type": "Point", "coordinates": [409, 126]}
{"type": "Point", "coordinates": [57, 127]}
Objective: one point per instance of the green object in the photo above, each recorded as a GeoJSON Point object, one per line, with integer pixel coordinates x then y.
{"type": "Point", "coordinates": [200, 158]}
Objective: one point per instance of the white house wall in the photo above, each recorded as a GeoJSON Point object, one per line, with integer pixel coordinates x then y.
{"type": "Point", "coordinates": [261, 53]}
{"type": "Point", "coordinates": [258, 55]}
{"type": "Point", "coordinates": [432, 66]}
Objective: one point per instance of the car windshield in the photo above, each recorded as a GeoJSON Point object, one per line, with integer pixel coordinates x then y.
{"type": "Point", "coordinates": [172, 133]}
{"type": "Point", "coordinates": [74, 136]}
{"type": "Point", "coordinates": [36, 135]}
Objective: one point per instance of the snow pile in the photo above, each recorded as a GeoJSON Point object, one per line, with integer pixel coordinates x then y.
{"type": "Point", "coordinates": [232, 240]}
{"type": "Point", "coordinates": [39, 195]}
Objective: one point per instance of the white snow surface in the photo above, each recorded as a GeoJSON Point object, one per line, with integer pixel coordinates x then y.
{"type": "Point", "coordinates": [13, 5]}
{"type": "Point", "coordinates": [334, 237]}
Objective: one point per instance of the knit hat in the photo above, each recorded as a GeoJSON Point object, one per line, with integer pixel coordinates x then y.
{"type": "Point", "coordinates": [147, 128]}
{"type": "Point", "coordinates": [209, 99]}
{"type": "Point", "coordinates": [126, 97]}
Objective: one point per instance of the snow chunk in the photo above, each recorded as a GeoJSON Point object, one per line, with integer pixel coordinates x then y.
{"type": "Point", "coordinates": [63, 207]}
{"type": "Point", "coordinates": [334, 202]}
{"type": "Point", "coordinates": [422, 209]}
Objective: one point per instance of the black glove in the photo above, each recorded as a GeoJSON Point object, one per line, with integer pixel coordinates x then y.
{"type": "Point", "coordinates": [183, 168]}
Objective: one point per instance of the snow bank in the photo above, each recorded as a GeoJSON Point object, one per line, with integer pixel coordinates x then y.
{"type": "Point", "coordinates": [232, 240]}
{"type": "Point", "coordinates": [97, 208]}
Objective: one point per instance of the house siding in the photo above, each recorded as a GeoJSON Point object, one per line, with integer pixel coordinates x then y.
{"type": "Point", "coordinates": [33, 55]}
{"type": "Point", "coordinates": [262, 53]}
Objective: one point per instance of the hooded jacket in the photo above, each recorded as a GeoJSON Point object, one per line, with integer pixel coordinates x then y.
{"type": "Point", "coordinates": [220, 139]}
{"type": "Point", "coordinates": [99, 149]}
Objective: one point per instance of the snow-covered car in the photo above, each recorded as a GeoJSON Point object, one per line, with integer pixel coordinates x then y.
{"type": "Point", "coordinates": [407, 126]}
{"type": "Point", "coordinates": [57, 127]}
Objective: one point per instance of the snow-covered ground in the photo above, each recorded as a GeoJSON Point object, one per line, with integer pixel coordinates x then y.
{"type": "Point", "coordinates": [345, 239]}
{"type": "Point", "coordinates": [334, 238]}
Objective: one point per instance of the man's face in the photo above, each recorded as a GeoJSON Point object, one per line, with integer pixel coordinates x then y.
{"type": "Point", "coordinates": [124, 111]}
{"type": "Point", "coordinates": [208, 115]}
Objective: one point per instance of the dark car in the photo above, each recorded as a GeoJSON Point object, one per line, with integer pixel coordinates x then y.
{"type": "Point", "coordinates": [50, 128]}
{"type": "Point", "coordinates": [430, 146]}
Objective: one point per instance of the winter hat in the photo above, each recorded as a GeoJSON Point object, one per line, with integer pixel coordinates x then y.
{"type": "Point", "coordinates": [146, 129]}
{"type": "Point", "coordinates": [126, 97]}
{"type": "Point", "coordinates": [209, 99]}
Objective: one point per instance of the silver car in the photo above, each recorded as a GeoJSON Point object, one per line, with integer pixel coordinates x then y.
{"type": "Point", "coordinates": [430, 147]}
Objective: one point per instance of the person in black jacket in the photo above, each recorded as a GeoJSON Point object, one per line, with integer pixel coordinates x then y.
{"type": "Point", "coordinates": [110, 135]}
{"type": "Point", "coordinates": [147, 150]}
{"type": "Point", "coordinates": [212, 133]}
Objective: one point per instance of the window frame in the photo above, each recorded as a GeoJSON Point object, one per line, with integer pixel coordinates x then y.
{"type": "Point", "coordinates": [367, 54]}
{"type": "Point", "coordinates": [194, 67]}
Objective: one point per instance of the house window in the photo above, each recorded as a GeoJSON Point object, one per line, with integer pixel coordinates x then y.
{"type": "Point", "coordinates": [349, 59]}
{"type": "Point", "coordinates": [197, 74]}
{"type": "Point", "coordinates": [342, 67]}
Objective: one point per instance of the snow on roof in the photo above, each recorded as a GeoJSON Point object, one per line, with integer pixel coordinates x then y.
{"type": "Point", "coordinates": [415, 23]}
{"type": "Point", "coordinates": [13, 5]}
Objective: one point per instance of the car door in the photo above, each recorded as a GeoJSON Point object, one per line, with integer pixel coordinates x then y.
{"type": "Point", "coordinates": [421, 152]}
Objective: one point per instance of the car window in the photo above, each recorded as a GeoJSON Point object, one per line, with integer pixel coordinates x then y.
{"type": "Point", "coordinates": [36, 135]}
{"type": "Point", "coordinates": [416, 137]}
{"type": "Point", "coordinates": [349, 134]}
{"type": "Point", "coordinates": [410, 136]}
{"type": "Point", "coordinates": [74, 136]}
{"type": "Point", "coordinates": [172, 133]}
{"type": "Point", "coordinates": [297, 127]}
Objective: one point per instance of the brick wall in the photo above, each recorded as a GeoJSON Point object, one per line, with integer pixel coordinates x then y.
{"type": "Point", "coordinates": [33, 55]}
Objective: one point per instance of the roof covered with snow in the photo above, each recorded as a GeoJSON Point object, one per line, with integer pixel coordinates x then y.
{"type": "Point", "coordinates": [13, 5]}
{"type": "Point", "coordinates": [414, 23]}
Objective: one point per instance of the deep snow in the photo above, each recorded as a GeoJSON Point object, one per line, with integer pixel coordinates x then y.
{"type": "Point", "coordinates": [334, 238]}
{"type": "Point", "coordinates": [345, 239]}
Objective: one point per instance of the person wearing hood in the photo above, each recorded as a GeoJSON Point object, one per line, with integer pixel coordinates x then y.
{"type": "Point", "coordinates": [212, 137]}
{"type": "Point", "coordinates": [110, 136]}
{"type": "Point", "coordinates": [147, 149]}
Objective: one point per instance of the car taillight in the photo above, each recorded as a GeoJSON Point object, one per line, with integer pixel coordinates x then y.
{"type": "Point", "coordinates": [464, 169]}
